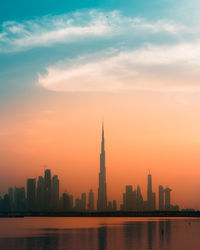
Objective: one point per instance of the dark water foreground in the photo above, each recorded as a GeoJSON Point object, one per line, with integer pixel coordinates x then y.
{"type": "Point", "coordinates": [103, 233]}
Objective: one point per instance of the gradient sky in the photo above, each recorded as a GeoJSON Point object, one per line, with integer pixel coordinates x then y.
{"type": "Point", "coordinates": [66, 66]}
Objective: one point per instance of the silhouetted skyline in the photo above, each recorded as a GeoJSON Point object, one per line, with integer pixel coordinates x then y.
{"type": "Point", "coordinates": [43, 194]}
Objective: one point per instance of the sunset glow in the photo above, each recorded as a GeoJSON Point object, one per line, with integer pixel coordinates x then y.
{"type": "Point", "coordinates": [62, 74]}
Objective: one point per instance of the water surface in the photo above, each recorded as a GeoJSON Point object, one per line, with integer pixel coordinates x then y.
{"type": "Point", "coordinates": [100, 233]}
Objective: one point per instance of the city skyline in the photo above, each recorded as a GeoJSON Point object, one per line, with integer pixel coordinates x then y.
{"type": "Point", "coordinates": [43, 194]}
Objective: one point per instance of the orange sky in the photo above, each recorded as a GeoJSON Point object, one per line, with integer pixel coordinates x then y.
{"type": "Point", "coordinates": [143, 130]}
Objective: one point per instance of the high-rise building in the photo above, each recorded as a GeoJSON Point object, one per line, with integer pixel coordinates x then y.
{"type": "Point", "coordinates": [47, 189]}
{"type": "Point", "coordinates": [161, 198]}
{"type": "Point", "coordinates": [102, 192]}
{"type": "Point", "coordinates": [31, 195]}
{"type": "Point", "coordinates": [40, 194]}
{"type": "Point", "coordinates": [167, 199]}
{"type": "Point", "coordinates": [139, 200]}
{"type": "Point", "coordinates": [5, 206]}
{"type": "Point", "coordinates": [91, 201]}
{"type": "Point", "coordinates": [55, 192]}
{"type": "Point", "coordinates": [129, 199]}
{"type": "Point", "coordinates": [11, 198]}
{"type": "Point", "coordinates": [110, 208]}
{"type": "Point", "coordinates": [149, 192]}
{"type": "Point", "coordinates": [83, 201]}
{"type": "Point", "coordinates": [153, 201]}
{"type": "Point", "coordinates": [71, 199]}
{"type": "Point", "coordinates": [114, 205]}
{"type": "Point", "coordinates": [66, 202]}
{"type": "Point", "coordinates": [78, 204]}
{"type": "Point", "coordinates": [19, 199]}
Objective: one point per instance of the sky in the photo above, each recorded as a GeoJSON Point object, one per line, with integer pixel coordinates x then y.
{"type": "Point", "coordinates": [66, 66]}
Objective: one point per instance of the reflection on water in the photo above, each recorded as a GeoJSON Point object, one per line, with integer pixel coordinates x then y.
{"type": "Point", "coordinates": [102, 238]}
{"type": "Point", "coordinates": [99, 233]}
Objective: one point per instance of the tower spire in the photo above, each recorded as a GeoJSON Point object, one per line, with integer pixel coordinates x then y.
{"type": "Point", "coordinates": [102, 193]}
{"type": "Point", "coordinates": [102, 141]}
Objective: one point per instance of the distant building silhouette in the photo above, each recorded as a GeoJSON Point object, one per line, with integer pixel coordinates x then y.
{"type": "Point", "coordinates": [102, 192]}
{"type": "Point", "coordinates": [91, 200]}
{"type": "Point", "coordinates": [110, 206]}
{"type": "Point", "coordinates": [11, 198]}
{"type": "Point", "coordinates": [129, 199]}
{"type": "Point", "coordinates": [151, 197]}
{"type": "Point", "coordinates": [167, 199]}
{"type": "Point", "coordinates": [55, 192]}
{"type": "Point", "coordinates": [114, 205]}
{"type": "Point", "coordinates": [66, 202]}
{"type": "Point", "coordinates": [31, 195]}
{"type": "Point", "coordinates": [78, 204]}
{"type": "Point", "coordinates": [83, 201]}
{"type": "Point", "coordinates": [71, 199]}
{"type": "Point", "coordinates": [153, 201]}
{"type": "Point", "coordinates": [161, 198]}
{"type": "Point", "coordinates": [19, 199]}
{"type": "Point", "coordinates": [139, 201]}
{"type": "Point", "coordinates": [6, 203]}
{"type": "Point", "coordinates": [40, 194]}
{"type": "Point", "coordinates": [47, 189]}
{"type": "Point", "coordinates": [149, 192]}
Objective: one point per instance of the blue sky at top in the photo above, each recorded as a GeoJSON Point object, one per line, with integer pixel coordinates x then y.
{"type": "Point", "coordinates": [40, 40]}
{"type": "Point", "coordinates": [22, 9]}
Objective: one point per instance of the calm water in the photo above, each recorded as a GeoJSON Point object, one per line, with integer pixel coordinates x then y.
{"type": "Point", "coordinates": [100, 233]}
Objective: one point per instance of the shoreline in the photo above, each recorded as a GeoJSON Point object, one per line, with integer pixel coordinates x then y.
{"type": "Point", "coordinates": [102, 214]}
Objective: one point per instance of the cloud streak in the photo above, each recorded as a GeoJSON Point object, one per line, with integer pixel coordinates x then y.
{"type": "Point", "coordinates": [168, 68]}
{"type": "Point", "coordinates": [75, 27]}
{"type": "Point", "coordinates": [128, 52]}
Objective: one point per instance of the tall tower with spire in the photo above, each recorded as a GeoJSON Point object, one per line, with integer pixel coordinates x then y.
{"type": "Point", "coordinates": [102, 192]}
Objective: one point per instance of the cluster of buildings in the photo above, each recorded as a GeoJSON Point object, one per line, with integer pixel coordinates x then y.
{"type": "Point", "coordinates": [133, 200]}
{"type": "Point", "coordinates": [43, 195]}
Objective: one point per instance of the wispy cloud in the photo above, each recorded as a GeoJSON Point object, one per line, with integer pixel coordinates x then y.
{"type": "Point", "coordinates": [172, 68]}
{"type": "Point", "coordinates": [154, 55]}
{"type": "Point", "coordinates": [75, 27]}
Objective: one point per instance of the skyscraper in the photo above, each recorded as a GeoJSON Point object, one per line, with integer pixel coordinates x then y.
{"type": "Point", "coordinates": [167, 199]}
{"type": "Point", "coordinates": [102, 193]}
{"type": "Point", "coordinates": [149, 192]}
{"type": "Point", "coordinates": [139, 202]}
{"type": "Point", "coordinates": [55, 192]}
{"type": "Point", "coordinates": [40, 193]}
{"type": "Point", "coordinates": [91, 201]}
{"type": "Point", "coordinates": [161, 198]}
{"type": "Point", "coordinates": [83, 201]}
{"type": "Point", "coordinates": [66, 206]}
{"type": "Point", "coordinates": [129, 199]}
{"type": "Point", "coordinates": [153, 206]}
{"type": "Point", "coordinates": [19, 199]}
{"type": "Point", "coordinates": [109, 206]}
{"type": "Point", "coordinates": [114, 205]}
{"type": "Point", "coordinates": [47, 189]}
{"type": "Point", "coordinates": [78, 204]}
{"type": "Point", "coordinates": [31, 196]}
{"type": "Point", "coordinates": [11, 197]}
